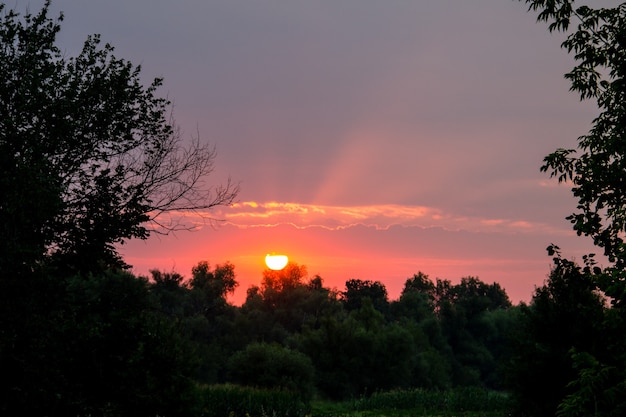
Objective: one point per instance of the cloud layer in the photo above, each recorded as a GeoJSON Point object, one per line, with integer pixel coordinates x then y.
{"type": "Point", "coordinates": [372, 139]}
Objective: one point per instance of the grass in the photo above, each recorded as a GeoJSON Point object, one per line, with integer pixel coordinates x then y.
{"type": "Point", "coordinates": [237, 401]}
{"type": "Point", "coordinates": [465, 402]}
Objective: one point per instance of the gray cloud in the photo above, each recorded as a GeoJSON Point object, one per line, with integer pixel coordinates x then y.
{"type": "Point", "coordinates": [449, 104]}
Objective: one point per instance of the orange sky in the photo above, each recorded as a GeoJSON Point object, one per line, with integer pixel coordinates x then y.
{"type": "Point", "coordinates": [385, 243]}
{"type": "Point", "coordinates": [372, 139]}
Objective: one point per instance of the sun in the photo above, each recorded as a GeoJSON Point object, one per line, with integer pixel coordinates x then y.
{"type": "Point", "coordinates": [276, 262]}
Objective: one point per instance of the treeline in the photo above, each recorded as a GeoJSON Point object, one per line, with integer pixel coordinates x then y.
{"type": "Point", "coordinates": [90, 158]}
{"type": "Point", "coordinates": [111, 343]}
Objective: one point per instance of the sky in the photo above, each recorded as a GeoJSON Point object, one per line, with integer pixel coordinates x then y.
{"type": "Point", "coordinates": [371, 139]}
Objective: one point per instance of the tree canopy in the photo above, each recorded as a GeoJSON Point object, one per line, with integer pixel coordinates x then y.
{"type": "Point", "coordinates": [596, 168]}
{"type": "Point", "coordinates": [89, 156]}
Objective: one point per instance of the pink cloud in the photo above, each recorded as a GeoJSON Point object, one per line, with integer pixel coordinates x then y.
{"type": "Point", "coordinates": [382, 216]}
{"type": "Point", "coordinates": [388, 243]}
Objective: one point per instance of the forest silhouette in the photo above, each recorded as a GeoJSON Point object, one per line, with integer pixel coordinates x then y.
{"type": "Point", "coordinates": [90, 158]}
{"type": "Point", "coordinates": [145, 344]}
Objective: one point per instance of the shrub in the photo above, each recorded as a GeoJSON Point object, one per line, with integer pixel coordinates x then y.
{"type": "Point", "coordinates": [273, 366]}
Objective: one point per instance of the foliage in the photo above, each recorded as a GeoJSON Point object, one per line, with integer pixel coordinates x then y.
{"type": "Point", "coordinates": [596, 169]}
{"type": "Point", "coordinates": [157, 336]}
{"type": "Point", "coordinates": [285, 279]}
{"type": "Point", "coordinates": [88, 155]}
{"type": "Point", "coordinates": [358, 290]}
{"type": "Point", "coordinates": [360, 353]}
{"type": "Point", "coordinates": [203, 315]}
{"type": "Point", "coordinates": [564, 314]}
{"type": "Point", "coordinates": [124, 351]}
{"type": "Point", "coordinates": [214, 284]}
{"type": "Point", "coordinates": [587, 397]}
{"type": "Point", "coordinates": [467, 319]}
{"type": "Point", "coordinates": [167, 289]}
{"type": "Point", "coordinates": [30, 344]}
{"type": "Point", "coordinates": [286, 304]}
{"type": "Point", "coordinates": [98, 346]}
{"type": "Point", "coordinates": [417, 299]}
{"type": "Point", "coordinates": [209, 289]}
{"type": "Point", "coordinates": [273, 366]}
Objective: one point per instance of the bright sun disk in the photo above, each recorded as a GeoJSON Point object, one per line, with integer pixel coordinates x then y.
{"type": "Point", "coordinates": [276, 262]}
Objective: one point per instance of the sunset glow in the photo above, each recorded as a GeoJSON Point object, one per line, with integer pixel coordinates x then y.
{"type": "Point", "coordinates": [401, 138]}
{"type": "Point", "coordinates": [276, 262]}
{"type": "Point", "coordinates": [355, 207]}
{"type": "Point", "coordinates": [388, 243]}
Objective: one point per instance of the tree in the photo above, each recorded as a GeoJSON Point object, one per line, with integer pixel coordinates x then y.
{"type": "Point", "coordinates": [415, 310]}
{"type": "Point", "coordinates": [89, 157]}
{"type": "Point", "coordinates": [167, 288]}
{"type": "Point", "coordinates": [416, 300]}
{"type": "Point", "coordinates": [285, 303]}
{"type": "Point", "coordinates": [278, 286]}
{"type": "Point", "coordinates": [420, 283]}
{"type": "Point", "coordinates": [122, 355]}
{"type": "Point", "coordinates": [288, 278]}
{"type": "Point", "coordinates": [564, 314]}
{"type": "Point", "coordinates": [212, 287]}
{"type": "Point", "coordinates": [358, 290]}
{"type": "Point", "coordinates": [273, 366]}
{"type": "Point", "coordinates": [357, 353]}
{"type": "Point", "coordinates": [97, 346]}
{"type": "Point", "coordinates": [476, 296]}
{"type": "Point", "coordinates": [463, 311]}
{"type": "Point", "coordinates": [597, 171]}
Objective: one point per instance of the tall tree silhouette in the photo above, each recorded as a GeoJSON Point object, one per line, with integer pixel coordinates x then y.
{"type": "Point", "coordinates": [89, 157]}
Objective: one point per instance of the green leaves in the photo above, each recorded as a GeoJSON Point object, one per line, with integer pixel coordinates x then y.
{"type": "Point", "coordinates": [273, 366]}
{"type": "Point", "coordinates": [590, 394]}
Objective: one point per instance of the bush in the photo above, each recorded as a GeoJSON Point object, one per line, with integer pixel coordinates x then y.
{"type": "Point", "coordinates": [273, 366]}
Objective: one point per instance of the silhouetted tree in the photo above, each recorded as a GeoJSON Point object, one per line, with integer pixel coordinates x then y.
{"type": "Point", "coordinates": [168, 289]}
{"type": "Point", "coordinates": [285, 303]}
{"type": "Point", "coordinates": [416, 299]}
{"type": "Point", "coordinates": [89, 158]}
{"type": "Point", "coordinates": [100, 346]}
{"type": "Point", "coordinates": [420, 283]}
{"type": "Point", "coordinates": [209, 288]}
{"type": "Point", "coordinates": [597, 173]}
{"type": "Point", "coordinates": [462, 310]}
{"type": "Point", "coordinates": [564, 314]}
{"type": "Point", "coordinates": [273, 366]}
{"type": "Point", "coordinates": [358, 353]}
{"type": "Point", "coordinates": [291, 276]}
{"type": "Point", "coordinates": [88, 155]}
{"type": "Point", "coordinates": [358, 290]}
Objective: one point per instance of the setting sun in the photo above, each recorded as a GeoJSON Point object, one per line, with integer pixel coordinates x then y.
{"type": "Point", "coordinates": [276, 262]}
